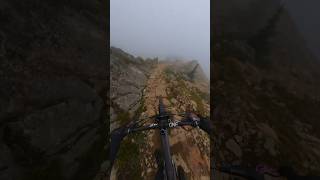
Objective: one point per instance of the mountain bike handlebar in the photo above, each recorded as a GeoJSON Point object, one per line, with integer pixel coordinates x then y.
{"type": "Point", "coordinates": [163, 122]}
{"type": "Point", "coordinates": [118, 134]}
{"type": "Point", "coordinates": [163, 126]}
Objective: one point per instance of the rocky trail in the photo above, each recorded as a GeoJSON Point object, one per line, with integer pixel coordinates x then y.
{"type": "Point", "coordinates": [184, 145]}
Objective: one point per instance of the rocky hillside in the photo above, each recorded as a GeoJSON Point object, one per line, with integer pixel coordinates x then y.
{"type": "Point", "coordinates": [265, 96]}
{"type": "Point", "coordinates": [128, 79]}
{"type": "Point", "coordinates": [136, 84]}
{"type": "Point", "coordinates": [52, 89]}
{"type": "Point", "coordinates": [191, 71]}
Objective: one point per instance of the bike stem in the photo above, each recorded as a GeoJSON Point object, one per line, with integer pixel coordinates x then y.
{"type": "Point", "coordinates": [167, 154]}
{"type": "Point", "coordinates": [165, 141]}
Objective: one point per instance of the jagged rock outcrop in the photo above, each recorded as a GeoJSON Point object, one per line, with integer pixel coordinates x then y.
{"type": "Point", "coordinates": [53, 89]}
{"type": "Point", "coordinates": [192, 71]}
{"type": "Point", "coordinates": [128, 77]}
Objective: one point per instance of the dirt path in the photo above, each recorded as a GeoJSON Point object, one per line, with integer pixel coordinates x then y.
{"type": "Point", "coordinates": [156, 87]}
{"type": "Point", "coordinates": [189, 148]}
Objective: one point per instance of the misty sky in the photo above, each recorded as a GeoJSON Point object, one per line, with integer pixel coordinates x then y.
{"type": "Point", "coordinates": [162, 28]}
{"type": "Point", "coordinates": [306, 15]}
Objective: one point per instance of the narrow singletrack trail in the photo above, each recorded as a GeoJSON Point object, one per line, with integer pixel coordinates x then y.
{"type": "Point", "coordinates": [189, 146]}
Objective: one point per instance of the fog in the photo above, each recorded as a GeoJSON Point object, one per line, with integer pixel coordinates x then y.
{"type": "Point", "coordinates": [306, 16]}
{"type": "Point", "coordinates": [162, 28]}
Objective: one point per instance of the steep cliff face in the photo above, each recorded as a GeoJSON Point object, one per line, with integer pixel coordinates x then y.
{"type": "Point", "coordinates": [265, 95]}
{"type": "Point", "coordinates": [53, 89]}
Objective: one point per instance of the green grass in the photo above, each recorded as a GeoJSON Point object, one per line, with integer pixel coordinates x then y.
{"type": "Point", "coordinates": [193, 92]}
{"type": "Point", "coordinates": [129, 157]}
{"type": "Point", "coordinates": [123, 117]}
{"type": "Point", "coordinates": [182, 89]}
{"type": "Point", "coordinates": [168, 72]}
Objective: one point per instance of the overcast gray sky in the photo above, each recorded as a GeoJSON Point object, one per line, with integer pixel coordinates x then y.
{"type": "Point", "coordinates": [162, 28]}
